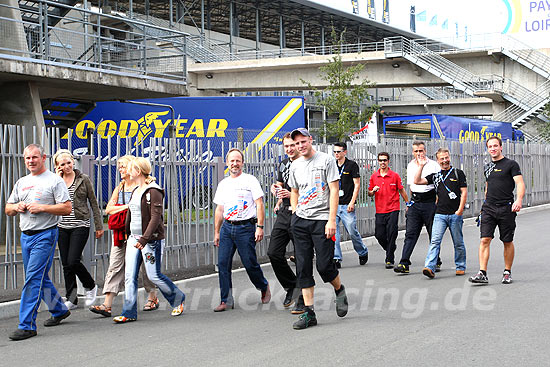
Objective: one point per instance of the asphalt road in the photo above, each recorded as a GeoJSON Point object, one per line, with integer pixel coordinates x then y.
{"type": "Point", "coordinates": [393, 319]}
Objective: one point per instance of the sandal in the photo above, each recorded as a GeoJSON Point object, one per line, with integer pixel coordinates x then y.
{"type": "Point", "coordinates": [101, 310]}
{"type": "Point", "coordinates": [151, 305]}
{"type": "Point", "coordinates": [122, 319]}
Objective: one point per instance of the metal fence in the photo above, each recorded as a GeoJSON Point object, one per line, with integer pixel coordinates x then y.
{"type": "Point", "coordinates": [189, 172]}
{"type": "Point", "coordinates": [51, 32]}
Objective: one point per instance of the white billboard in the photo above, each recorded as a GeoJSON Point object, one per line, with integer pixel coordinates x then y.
{"type": "Point", "coordinates": [456, 22]}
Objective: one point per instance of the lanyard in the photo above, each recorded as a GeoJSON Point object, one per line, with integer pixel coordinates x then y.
{"type": "Point", "coordinates": [443, 181]}
{"type": "Point", "coordinates": [340, 171]}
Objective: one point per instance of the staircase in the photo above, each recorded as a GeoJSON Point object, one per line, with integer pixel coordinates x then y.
{"type": "Point", "coordinates": [65, 112]}
{"type": "Point", "coordinates": [527, 56]}
{"type": "Point", "coordinates": [440, 93]}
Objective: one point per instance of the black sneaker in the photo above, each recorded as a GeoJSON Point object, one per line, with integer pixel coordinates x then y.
{"type": "Point", "coordinates": [338, 263]}
{"type": "Point", "coordinates": [389, 265]}
{"type": "Point", "coordinates": [21, 334]}
{"type": "Point", "coordinates": [289, 300]}
{"type": "Point", "coordinates": [438, 267]}
{"type": "Point", "coordinates": [479, 278]}
{"type": "Point", "coordinates": [363, 259]}
{"type": "Point", "coordinates": [402, 268]}
{"type": "Point", "coordinates": [506, 277]}
{"type": "Point", "coordinates": [54, 321]}
{"type": "Point", "coordinates": [306, 320]}
{"type": "Point", "coordinates": [300, 307]}
{"type": "Point", "coordinates": [341, 302]}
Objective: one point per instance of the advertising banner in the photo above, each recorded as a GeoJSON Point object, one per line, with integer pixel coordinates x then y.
{"type": "Point", "coordinates": [467, 129]}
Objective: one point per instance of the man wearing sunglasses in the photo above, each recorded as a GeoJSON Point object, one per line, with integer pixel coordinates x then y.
{"type": "Point", "coordinates": [421, 208]}
{"type": "Point", "coordinates": [349, 185]}
{"type": "Point", "coordinates": [385, 185]}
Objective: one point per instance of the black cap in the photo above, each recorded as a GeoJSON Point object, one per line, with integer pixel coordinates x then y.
{"type": "Point", "coordinates": [302, 131]}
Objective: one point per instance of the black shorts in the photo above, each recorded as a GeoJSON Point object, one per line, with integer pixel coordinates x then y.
{"type": "Point", "coordinates": [309, 237]}
{"type": "Point", "coordinates": [501, 216]}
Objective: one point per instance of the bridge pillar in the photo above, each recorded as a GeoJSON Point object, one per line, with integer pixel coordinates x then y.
{"type": "Point", "coordinates": [19, 100]}
{"type": "Point", "coordinates": [498, 107]}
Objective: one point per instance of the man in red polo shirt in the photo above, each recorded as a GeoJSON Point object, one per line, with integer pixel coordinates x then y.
{"type": "Point", "coordinates": [385, 185]}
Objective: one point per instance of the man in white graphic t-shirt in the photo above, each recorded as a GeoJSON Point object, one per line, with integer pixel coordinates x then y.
{"type": "Point", "coordinates": [238, 225]}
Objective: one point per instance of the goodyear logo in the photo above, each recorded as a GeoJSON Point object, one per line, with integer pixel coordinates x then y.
{"type": "Point", "coordinates": [152, 125]}
{"type": "Point", "coordinates": [476, 136]}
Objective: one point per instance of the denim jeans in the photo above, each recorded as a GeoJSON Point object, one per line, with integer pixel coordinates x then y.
{"type": "Point", "coordinates": [350, 223]}
{"type": "Point", "coordinates": [238, 237]}
{"type": "Point", "coordinates": [37, 252]}
{"type": "Point", "coordinates": [151, 255]}
{"type": "Point", "coordinates": [440, 224]}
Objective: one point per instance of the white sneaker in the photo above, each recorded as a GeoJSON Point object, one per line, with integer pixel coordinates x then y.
{"type": "Point", "coordinates": [91, 296]}
{"type": "Point", "coordinates": [70, 305]}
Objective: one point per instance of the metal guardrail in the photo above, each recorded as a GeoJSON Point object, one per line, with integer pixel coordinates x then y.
{"type": "Point", "coordinates": [189, 173]}
{"type": "Point", "coordinates": [90, 40]}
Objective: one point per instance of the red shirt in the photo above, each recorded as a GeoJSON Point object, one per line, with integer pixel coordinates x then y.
{"type": "Point", "coordinates": [387, 198]}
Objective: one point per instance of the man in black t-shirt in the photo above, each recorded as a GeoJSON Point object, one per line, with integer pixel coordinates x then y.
{"type": "Point", "coordinates": [281, 233]}
{"type": "Point", "coordinates": [500, 209]}
{"type": "Point", "coordinates": [450, 186]}
{"type": "Point", "coordinates": [350, 183]}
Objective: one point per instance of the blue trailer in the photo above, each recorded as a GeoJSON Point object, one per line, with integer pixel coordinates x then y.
{"type": "Point", "coordinates": [449, 127]}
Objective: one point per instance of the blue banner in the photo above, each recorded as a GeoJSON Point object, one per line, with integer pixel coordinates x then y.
{"type": "Point", "coordinates": [468, 129]}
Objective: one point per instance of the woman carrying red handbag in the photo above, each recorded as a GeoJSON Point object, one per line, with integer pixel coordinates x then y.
{"type": "Point", "coordinates": [114, 279]}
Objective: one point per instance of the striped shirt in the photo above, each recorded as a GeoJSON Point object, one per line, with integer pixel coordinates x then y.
{"type": "Point", "coordinates": [70, 221]}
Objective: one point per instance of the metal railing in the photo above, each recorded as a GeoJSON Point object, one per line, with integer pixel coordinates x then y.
{"type": "Point", "coordinates": [90, 40]}
{"type": "Point", "coordinates": [518, 114]}
{"type": "Point", "coordinates": [189, 171]}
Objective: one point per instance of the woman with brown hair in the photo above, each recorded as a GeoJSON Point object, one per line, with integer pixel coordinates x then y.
{"type": "Point", "coordinates": [114, 279]}
{"type": "Point", "coordinates": [145, 231]}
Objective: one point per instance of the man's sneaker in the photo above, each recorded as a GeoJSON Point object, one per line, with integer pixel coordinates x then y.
{"type": "Point", "coordinates": [20, 334]}
{"type": "Point", "coordinates": [338, 263]}
{"type": "Point", "coordinates": [506, 277]}
{"type": "Point", "coordinates": [363, 259]}
{"type": "Point", "coordinates": [389, 265]}
{"type": "Point", "coordinates": [289, 300]}
{"type": "Point", "coordinates": [54, 321]}
{"type": "Point", "coordinates": [91, 296]}
{"type": "Point", "coordinates": [300, 307]}
{"type": "Point", "coordinates": [479, 278]}
{"type": "Point", "coordinates": [428, 272]}
{"type": "Point", "coordinates": [401, 268]}
{"type": "Point", "coordinates": [306, 320]}
{"type": "Point", "coordinates": [70, 305]}
{"type": "Point", "coordinates": [341, 302]}
{"type": "Point", "coordinates": [438, 267]}
{"type": "Point", "coordinates": [266, 295]}
{"type": "Point", "coordinates": [460, 272]}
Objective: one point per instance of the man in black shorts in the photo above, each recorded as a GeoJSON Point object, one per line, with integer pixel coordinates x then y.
{"type": "Point", "coordinates": [281, 233]}
{"type": "Point", "coordinates": [499, 209]}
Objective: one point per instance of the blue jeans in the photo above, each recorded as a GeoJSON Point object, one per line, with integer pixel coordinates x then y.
{"type": "Point", "coordinates": [350, 223]}
{"type": "Point", "coordinates": [37, 252]}
{"type": "Point", "coordinates": [238, 237]}
{"type": "Point", "coordinates": [440, 224]}
{"type": "Point", "coordinates": [151, 255]}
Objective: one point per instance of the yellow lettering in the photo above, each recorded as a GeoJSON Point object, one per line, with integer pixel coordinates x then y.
{"type": "Point", "coordinates": [216, 127]}
{"type": "Point", "coordinates": [160, 127]}
{"type": "Point", "coordinates": [196, 129]}
{"type": "Point", "coordinates": [106, 129]}
{"type": "Point", "coordinates": [128, 128]}
{"type": "Point", "coordinates": [476, 137]}
{"type": "Point", "coordinates": [82, 127]}
{"type": "Point", "coordinates": [180, 128]}
{"type": "Point", "coordinates": [461, 136]}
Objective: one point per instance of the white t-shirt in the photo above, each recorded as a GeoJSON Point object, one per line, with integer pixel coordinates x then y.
{"type": "Point", "coordinates": [45, 188]}
{"type": "Point", "coordinates": [429, 168]}
{"type": "Point", "coordinates": [237, 196]}
{"type": "Point", "coordinates": [311, 177]}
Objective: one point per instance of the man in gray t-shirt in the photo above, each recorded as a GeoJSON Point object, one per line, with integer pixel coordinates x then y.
{"type": "Point", "coordinates": [40, 199]}
{"type": "Point", "coordinates": [313, 181]}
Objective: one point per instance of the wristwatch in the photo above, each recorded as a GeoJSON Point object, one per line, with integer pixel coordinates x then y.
{"type": "Point", "coordinates": [259, 226]}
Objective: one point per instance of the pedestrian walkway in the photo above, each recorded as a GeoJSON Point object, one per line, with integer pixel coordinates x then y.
{"type": "Point", "coordinates": [392, 319]}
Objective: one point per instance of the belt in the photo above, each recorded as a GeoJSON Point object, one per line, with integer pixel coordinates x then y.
{"type": "Point", "coordinates": [242, 222]}
{"type": "Point", "coordinates": [32, 232]}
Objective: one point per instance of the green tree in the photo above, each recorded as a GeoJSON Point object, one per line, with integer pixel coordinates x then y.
{"type": "Point", "coordinates": [543, 128]}
{"type": "Point", "coordinates": [344, 95]}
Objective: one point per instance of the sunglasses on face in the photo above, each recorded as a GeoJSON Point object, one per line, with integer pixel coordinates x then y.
{"type": "Point", "coordinates": [382, 160]}
{"type": "Point", "coordinates": [338, 151]}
